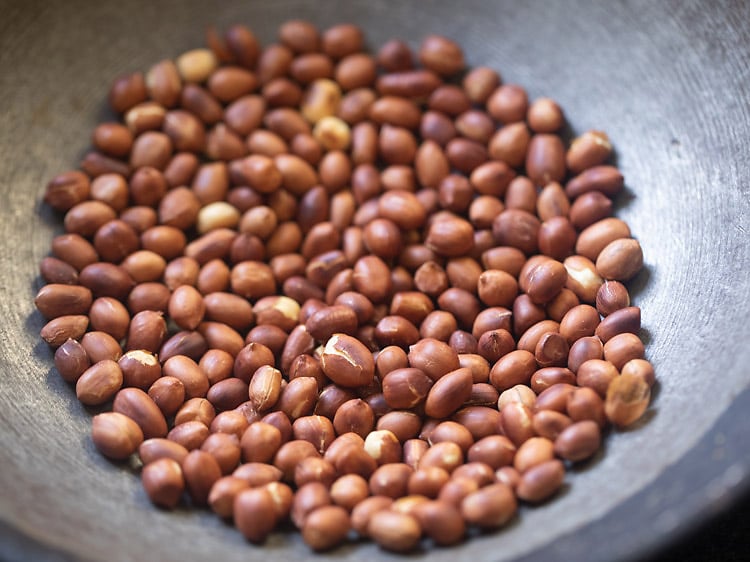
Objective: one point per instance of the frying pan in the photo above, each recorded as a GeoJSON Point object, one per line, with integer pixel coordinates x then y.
{"type": "Point", "coordinates": [669, 82]}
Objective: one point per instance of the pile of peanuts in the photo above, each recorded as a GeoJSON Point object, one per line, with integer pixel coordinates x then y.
{"type": "Point", "coordinates": [371, 295]}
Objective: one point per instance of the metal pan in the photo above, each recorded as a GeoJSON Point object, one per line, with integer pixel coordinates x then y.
{"type": "Point", "coordinates": [669, 81]}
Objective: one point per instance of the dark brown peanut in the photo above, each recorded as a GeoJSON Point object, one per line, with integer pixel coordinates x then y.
{"type": "Point", "coordinates": [395, 55]}
{"type": "Point", "coordinates": [589, 208]}
{"type": "Point", "coordinates": [624, 320]}
{"type": "Point", "coordinates": [106, 280]}
{"type": "Point", "coordinates": [189, 344]}
{"type": "Point", "coordinates": [461, 340]}
{"type": "Point", "coordinates": [54, 270]}
{"type": "Point", "coordinates": [611, 296]}
{"type": "Point", "coordinates": [331, 320]}
{"type": "Point", "coordinates": [227, 394]}
{"type": "Point", "coordinates": [241, 45]}
{"type": "Point", "coordinates": [71, 360]}
{"type": "Point", "coordinates": [494, 344]}
{"type": "Point", "coordinates": [583, 349]}
{"type": "Point", "coordinates": [605, 179]}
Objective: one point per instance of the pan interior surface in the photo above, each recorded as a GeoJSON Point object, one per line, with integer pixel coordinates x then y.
{"type": "Point", "coordinates": [669, 84]}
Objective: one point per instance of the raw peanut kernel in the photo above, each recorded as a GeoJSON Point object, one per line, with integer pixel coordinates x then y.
{"type": "Point", "coordinates": [381, 293]}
